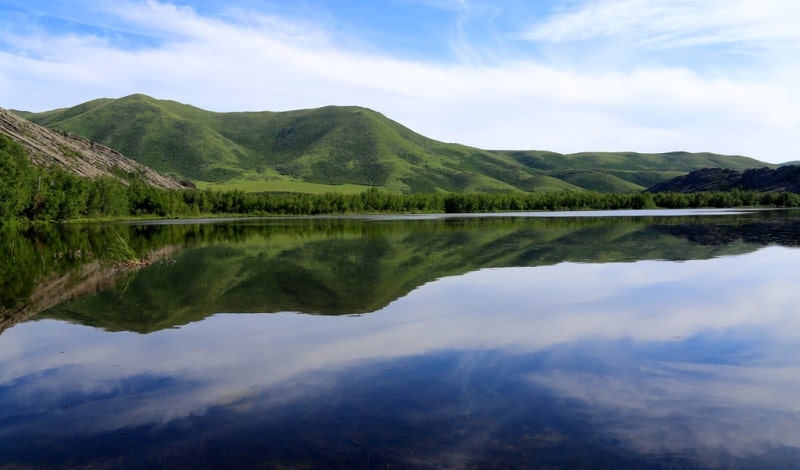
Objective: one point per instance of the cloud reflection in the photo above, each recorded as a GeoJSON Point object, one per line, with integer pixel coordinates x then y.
{"type": "Point", "coordinates": [664, 354]}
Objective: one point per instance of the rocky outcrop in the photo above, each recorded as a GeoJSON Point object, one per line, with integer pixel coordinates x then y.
{"type": "Point", "coordinates": [782, 179]}
{"type": "Point", "coordinates": [75, 154]}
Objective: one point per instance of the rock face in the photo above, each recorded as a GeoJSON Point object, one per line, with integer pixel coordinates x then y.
{"type": "Point", "coordinates": [75, 154]}
{"type": "Point", "coordinates": [782, 179]}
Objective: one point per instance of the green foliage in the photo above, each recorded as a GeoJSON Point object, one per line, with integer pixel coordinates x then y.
{"type": "Point", "coordinates": [60, 195]}
{"type": "Point", "coordinates": [38, 193]}
{"type": "Point", "coordinates": [15, 176]}
{"type": "Point", "coordinates": [106, 197]}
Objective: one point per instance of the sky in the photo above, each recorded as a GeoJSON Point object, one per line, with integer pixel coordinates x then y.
{"type": "Point", "coordinates": [562, 75]}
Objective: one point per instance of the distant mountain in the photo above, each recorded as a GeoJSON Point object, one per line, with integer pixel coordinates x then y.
{"type": "Point", "coordinates": [75, 154]}
{"type": "Point", "coordinates": [785, 178]}
{"type": "Point", "coordinates": [353, 146]}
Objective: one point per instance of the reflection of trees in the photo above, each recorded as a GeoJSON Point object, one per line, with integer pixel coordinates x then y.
{"type": "Point", "coordinates": [760, 232]}
{"type": "Point", "coordinates": [89, 278]}
{"type": "Point", "coordinates": [342, 266]}
{"type": "Point", "coordinates": [44, 265]}
{"type": "Point", "coordinates": [329, 266]}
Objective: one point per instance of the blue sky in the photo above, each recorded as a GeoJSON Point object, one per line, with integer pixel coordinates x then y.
{"type": "Point", "coordinates": [562, 75]}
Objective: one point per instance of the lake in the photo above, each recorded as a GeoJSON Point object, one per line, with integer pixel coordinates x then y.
{"type": "Point", "coordinates": [631, 339]}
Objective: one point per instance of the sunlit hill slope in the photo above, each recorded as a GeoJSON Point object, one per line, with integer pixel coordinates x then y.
{"type": "Point", "coordinates": [346, 148]}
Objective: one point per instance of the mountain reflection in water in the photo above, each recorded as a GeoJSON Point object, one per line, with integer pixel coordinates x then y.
{"type": "Point", "coordinates": [506, 342]}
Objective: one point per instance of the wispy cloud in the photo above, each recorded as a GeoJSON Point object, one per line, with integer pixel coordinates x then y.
{"type": "Point", "coordinates": [674, 23]}
{"type": "Point", "coordinates": [494, 92]}
{"type": "Point", "coordinates": [632, 312]}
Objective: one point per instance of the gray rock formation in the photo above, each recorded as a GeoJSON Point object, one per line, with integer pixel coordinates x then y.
{"type": "Point", "coordinates": [75, 154]}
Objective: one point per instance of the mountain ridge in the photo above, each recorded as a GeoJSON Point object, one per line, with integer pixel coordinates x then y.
{"type": "Point", "coordinates": [335, 146]}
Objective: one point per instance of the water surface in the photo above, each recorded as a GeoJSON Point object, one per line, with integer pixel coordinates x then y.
{"type": "Point", "coordinates": [630, 340]}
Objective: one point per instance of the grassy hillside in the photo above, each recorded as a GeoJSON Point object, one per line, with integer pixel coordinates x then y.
{"type": "Point", "coordinates": [333, 148]}
{"type": "Point", "coordinates": [151, 132]}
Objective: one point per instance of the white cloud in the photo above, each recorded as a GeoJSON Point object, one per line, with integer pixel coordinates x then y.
{"type": "Point", "coordinates": [269, 63]}
{"type": "Point", "coordinates": [626, 309]}
{"type": "Point", "coordinates": [674, 23]}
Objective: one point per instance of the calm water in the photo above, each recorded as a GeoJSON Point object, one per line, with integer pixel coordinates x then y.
{"type": "Point", "coordinates": [632, 340]}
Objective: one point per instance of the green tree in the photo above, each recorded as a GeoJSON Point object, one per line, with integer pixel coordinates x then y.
{"type": "Point", "coordinates": [15, 176]}
{"type": "Point", "coordinates": [58, 195]}
{"type": "Point", "coordinates": [106, 197]}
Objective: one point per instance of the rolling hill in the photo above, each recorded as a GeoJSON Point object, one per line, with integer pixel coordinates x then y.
{"type": "Point", "coordinates": [785, 178]}
{"type": "Point", "coordinates": [346, 148]}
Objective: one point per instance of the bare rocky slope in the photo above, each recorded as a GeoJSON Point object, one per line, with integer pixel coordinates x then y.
{"type": "Point", "coordinates": [75, 154]}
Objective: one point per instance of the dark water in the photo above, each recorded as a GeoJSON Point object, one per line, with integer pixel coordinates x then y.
{"type": "Point", "coordinates": [638, 340]}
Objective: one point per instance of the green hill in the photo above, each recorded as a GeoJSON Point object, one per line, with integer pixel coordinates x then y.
{"type": "Point", "coordinates": [346, 148]}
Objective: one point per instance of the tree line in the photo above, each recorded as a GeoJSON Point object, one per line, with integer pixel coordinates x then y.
{"type": "Point", "coordinates": [39, 194]}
